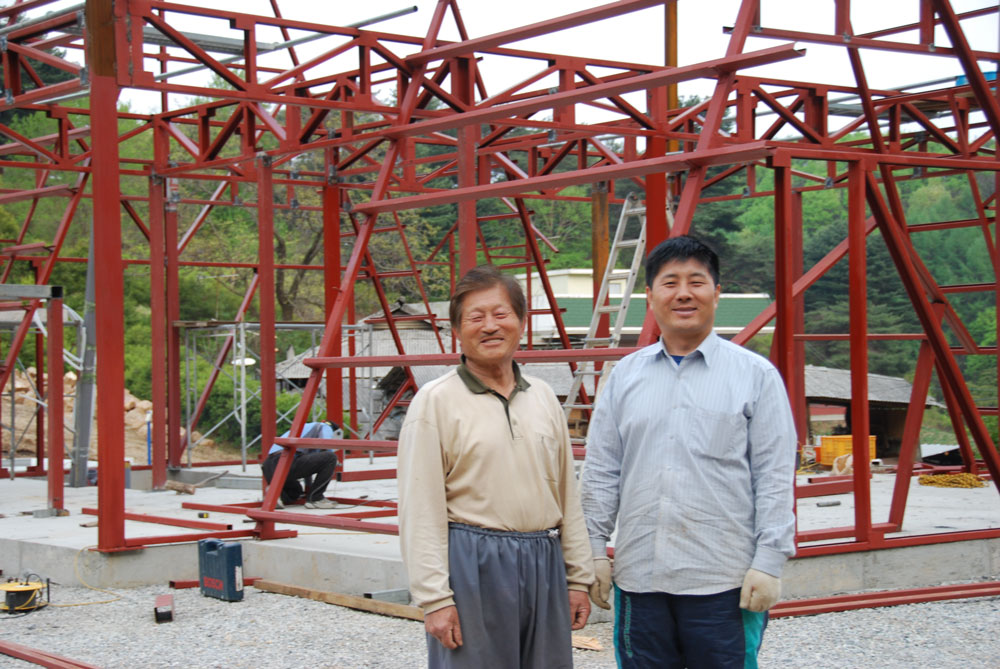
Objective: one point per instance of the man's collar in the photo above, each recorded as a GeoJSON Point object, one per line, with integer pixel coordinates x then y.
{"type": "Point", "coordinates": [474, 385]}
{"type": "Point", "coordinates": [708, 346]}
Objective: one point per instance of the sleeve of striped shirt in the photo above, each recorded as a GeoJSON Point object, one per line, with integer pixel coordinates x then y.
{"type": "Point", "coordinates": [773, 441]}
{"type": "Point", "coordinates": [602, 470]}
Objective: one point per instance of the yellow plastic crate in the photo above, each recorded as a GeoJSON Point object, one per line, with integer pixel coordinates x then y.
{"type": "Point", "coordinates": [832, 447]}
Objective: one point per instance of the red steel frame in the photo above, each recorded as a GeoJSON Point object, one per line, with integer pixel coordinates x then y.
{"type": "Point", "coordinates": [472, 144]}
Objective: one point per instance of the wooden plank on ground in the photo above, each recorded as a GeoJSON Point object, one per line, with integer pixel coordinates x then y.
{"type": "Point", "coordinates": [180, 487]}
{"type": "Point", "coordinates": [341, 599]}
{"type": "Point", "coordinates": [586, 642]}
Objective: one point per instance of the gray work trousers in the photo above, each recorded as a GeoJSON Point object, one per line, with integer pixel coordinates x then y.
{"type": "Point", "coordinates": [512, 601]}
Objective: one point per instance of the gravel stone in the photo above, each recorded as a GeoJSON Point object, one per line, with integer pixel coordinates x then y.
{"type": "Point", "coordinates": [271, 630]}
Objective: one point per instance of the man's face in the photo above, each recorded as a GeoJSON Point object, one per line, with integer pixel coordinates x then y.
{"type": "Point", "coordinates": [490, 330]}
{"type": "Point", "coordinates": [683, 298]}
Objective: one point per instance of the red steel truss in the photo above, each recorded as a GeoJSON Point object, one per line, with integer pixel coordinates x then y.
{"type": "Point", "coordinates": [409, 122]}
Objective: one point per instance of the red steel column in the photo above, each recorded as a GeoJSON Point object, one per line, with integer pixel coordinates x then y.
{"type": "Point", "coordinates": [108, 276]}
{"type": "Point", "coordinates": [265, 297]}
{"type": "Point", "coordinates": [800, 407]}
{"type": "Point", "coordinates": [656, 183]}
{"type": "Point", "coordinates": [175, 445]}
{"type": "Point", "coordinates": [54, 321]}
{"type": "Point", "coordinates": [599, 250]}
{"type": "Point", "coordinates": [660, 101]}
{"type": "Point", "coordinates": [858, 302]}
{"type": "Point", "coordinates": [467, 135]}
{"type": "Point", "coordinates": [158, 316]}
{"type": "Point", "coordinates": [784, 331]}
{"type": "Point", "coordinates": [331, 282]}
{"type": "Point", "coordinates": [40, 389]}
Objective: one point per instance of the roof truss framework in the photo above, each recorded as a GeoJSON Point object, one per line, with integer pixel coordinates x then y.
{"type": "Point", "coordinates": [450, 138]}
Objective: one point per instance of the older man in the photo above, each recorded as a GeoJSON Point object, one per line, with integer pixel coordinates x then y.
{"type": "Point", "coordinates": [691, 452]}
{"type": "Point", "coordinates": [490, 523]}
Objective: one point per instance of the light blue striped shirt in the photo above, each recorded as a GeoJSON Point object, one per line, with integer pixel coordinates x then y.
{"type": "Point", "coordinates": [312, 431]}
{"type": "Point", "coordinates": [696, 462]}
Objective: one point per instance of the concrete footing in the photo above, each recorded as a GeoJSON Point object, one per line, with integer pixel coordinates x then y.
{"type": "Point", "coordinates": [60, 547]}
{"type": "Point", "coordinates": [347, 570]}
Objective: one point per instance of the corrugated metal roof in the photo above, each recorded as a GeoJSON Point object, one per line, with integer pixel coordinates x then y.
{"type": "Point", "coordinates": [822, 383]}
{"type": "Point", "coordinates": [556, 374]}
{"type": "Point", "coordinates": [415, 342]}
{"type": "Point", "coordinates": [828, 384]}
{"type": "Point", "coordinates": [400, 308]}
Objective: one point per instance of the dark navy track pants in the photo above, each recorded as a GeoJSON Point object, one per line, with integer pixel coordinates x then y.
{"type": "Point", "coordinates": [656, 630]}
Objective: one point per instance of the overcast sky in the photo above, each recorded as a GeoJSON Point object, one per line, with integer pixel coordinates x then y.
{"type": "Point", "coordinates": [637, 37]}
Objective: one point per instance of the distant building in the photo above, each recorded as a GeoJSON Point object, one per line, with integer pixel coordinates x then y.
{"type": "Point", "coordinates": [828, 395]}
{"type": "Point", "coordinates": [574, 290]}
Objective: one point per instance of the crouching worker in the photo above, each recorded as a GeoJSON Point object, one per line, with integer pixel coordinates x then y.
{"type": "Point", "coordinates": [490, 523]}
{"type": "Point", "coordinates": [315, 466]}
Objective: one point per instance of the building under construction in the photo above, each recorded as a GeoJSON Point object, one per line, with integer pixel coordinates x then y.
{"type": "Point", "coordinates": [278, 116]}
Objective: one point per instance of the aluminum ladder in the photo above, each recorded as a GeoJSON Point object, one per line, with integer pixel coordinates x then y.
{"type": "Point", "coordinates": [629, 237]}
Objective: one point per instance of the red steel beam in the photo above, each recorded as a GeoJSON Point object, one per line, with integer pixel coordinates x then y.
{"type": "Point", "coordinates": [673, 163]}
{"type": "Point", "coordinates": [42, 657]}
{"type": "Point", "coordinates": [865, 600]}
{"type": "Point", "coordinates": [823, 489]}
{"type": "Point", "coordinates": [538, 355]}
{"type": "Point", "coordinates": [469, 47]}
{"type": "Point", "coordinates": [332, 521]}
{"type": "Point", "coordinates": [911, 433]}
{"type": "Point", "coordinates": [139, 542]}
{"type": "Point", "coordinates": [708, 69]}
{"type": "Point", "coordinates": [165, 520]}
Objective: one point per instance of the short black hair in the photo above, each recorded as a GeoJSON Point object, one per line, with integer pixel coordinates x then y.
{"type": "Point", "coordinates": [683, 247]}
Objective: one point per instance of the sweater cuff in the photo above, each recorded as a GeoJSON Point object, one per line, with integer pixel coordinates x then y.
{"type": "Point", "coordinates": [440, 604]}
{"type": "Point", "coordinates": [769, 561]}
{"type": "Point", "coordinates": [578, 586]}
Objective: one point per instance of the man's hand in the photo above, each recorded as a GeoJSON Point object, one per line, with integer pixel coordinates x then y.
{"type": "Point", "coordinates": [760, 591]}
{"type": "Point", "coordinates": [579, 609]}
{"type": "Point", "coordinates": [601, 588]}
{"type": "Point", "coordinates": [443, 626]}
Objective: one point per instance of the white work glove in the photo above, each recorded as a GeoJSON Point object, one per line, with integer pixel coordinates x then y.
{"type": "Point", "coordinates": [601, 588]}
{"type": "Point", "coordinates": [760, 591]}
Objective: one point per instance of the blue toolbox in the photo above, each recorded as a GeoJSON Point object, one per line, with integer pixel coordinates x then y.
{"type": "Point", "coordinates": [220, 569]}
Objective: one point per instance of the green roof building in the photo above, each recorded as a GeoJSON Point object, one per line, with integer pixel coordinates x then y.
{"type": "Point", "coordinates": [573, 291]}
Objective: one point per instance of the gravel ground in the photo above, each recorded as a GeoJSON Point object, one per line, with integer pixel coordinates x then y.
{"type": "Point", "coordinates": [270, 630]}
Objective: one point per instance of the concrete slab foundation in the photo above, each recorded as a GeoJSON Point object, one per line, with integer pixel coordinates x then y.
{"type": "Point", "coordinates": [59, 548]}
